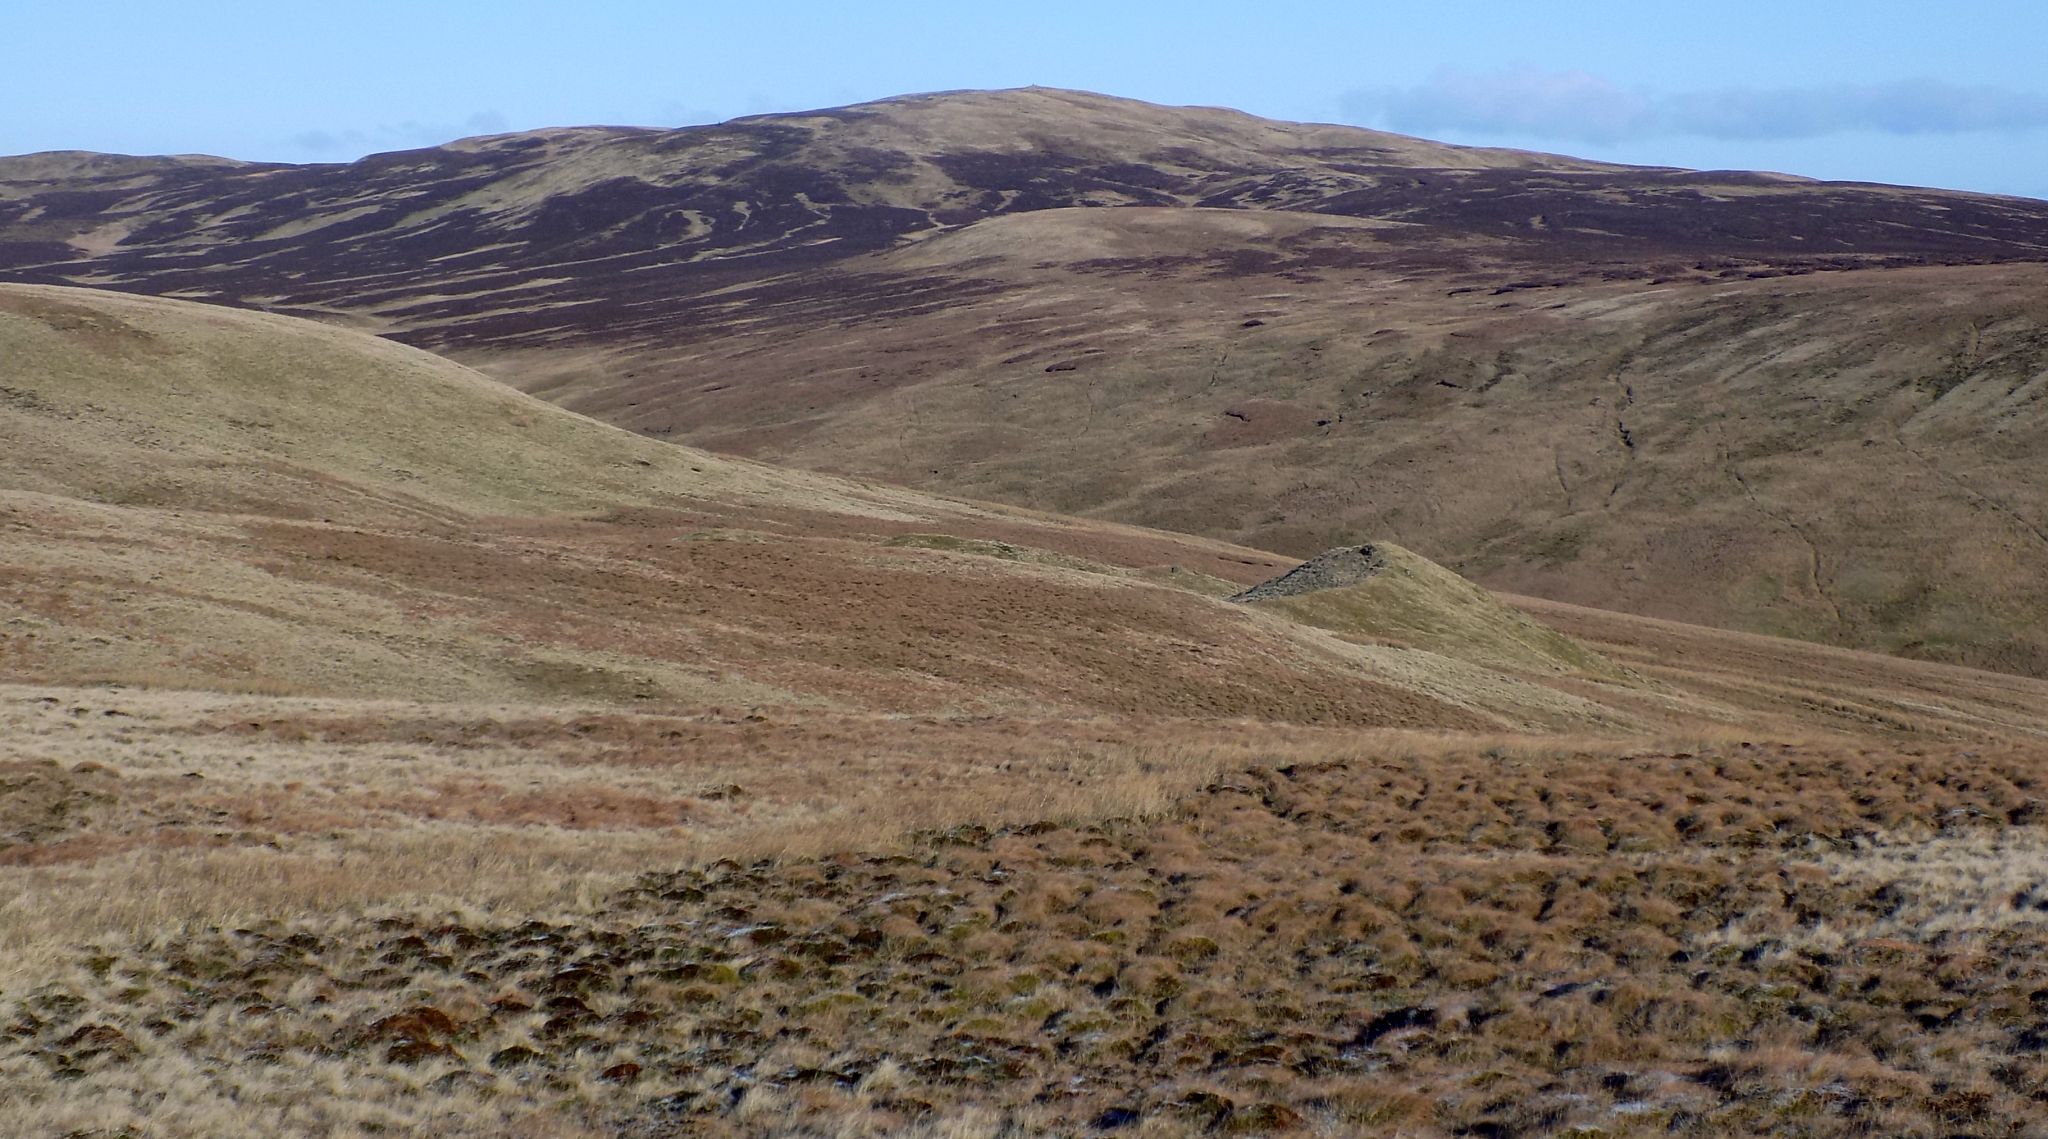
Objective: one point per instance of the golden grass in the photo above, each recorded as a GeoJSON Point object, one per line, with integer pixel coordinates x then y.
{"type": "Point", "coordinates": [136, 811]}
{"type": "Point", "coordinates": [843, 597]}
{"type": "Point", "coordinates": [133, 400]}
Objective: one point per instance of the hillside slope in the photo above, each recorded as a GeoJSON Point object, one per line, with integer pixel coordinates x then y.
{"type": "Point", "coordinates": [204, 497]}
{"type": "Point", "coordinates": [1845, 457]}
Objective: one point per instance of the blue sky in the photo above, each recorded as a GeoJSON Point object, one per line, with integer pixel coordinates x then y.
{"type": "Point", "coordinates": [1883, 90]}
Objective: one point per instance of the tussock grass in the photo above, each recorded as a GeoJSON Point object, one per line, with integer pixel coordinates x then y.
{"type": "Point", "coordinates": [1374, 930]}
{"type": "Point", "coordinates": [147, 812]}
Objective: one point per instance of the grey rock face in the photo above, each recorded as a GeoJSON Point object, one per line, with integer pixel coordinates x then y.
{"type": "Point", "coordinates": [1331, 569]}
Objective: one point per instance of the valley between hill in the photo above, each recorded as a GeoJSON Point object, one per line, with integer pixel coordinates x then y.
{"type": "Point", "coordinates": [1740, 399]}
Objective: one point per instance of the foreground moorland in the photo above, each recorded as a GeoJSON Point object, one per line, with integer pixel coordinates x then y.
{"type": "Point", "coordinates": [386, 752]}
{"type": "Point", "coordinates": [341, 926]}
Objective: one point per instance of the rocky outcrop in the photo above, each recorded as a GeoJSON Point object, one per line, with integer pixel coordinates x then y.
{"type": "Point", "coordinates": [1331, 569]}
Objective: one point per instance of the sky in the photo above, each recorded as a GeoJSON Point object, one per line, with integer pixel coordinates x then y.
{"type": "Point", "coordinates": [1951, 95]}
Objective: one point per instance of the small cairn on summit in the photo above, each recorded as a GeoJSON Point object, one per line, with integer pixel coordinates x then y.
{"type": "Point", "coordinates": [1331, 569]}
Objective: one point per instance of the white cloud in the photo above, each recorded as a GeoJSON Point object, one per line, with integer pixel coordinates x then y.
{"type": "Point", "coordinates": [1585, 107]}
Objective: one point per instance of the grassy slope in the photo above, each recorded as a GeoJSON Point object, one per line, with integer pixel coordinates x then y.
{"type": "Point", "coordinates": [130, 400]}
{"type": "Point", "coordinates": [224, 499]}
{"type": "Point", "coordinates": [1413, 601]}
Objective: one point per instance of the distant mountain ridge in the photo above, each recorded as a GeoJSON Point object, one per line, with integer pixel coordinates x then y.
{"type": "Point", "coordinates": [611, 232]}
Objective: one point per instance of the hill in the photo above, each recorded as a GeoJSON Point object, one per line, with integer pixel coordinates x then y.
{"type": "Point", "coordinates": [1743, 399]}
{"type": "Point", "coordinates": [298, 506]}
{"type": "Point", "coordinates": [529, 228]}
{"type": "Point", "coordinates": [1384, 592]}
{"type": "Point", "coordinates": [209, 498]}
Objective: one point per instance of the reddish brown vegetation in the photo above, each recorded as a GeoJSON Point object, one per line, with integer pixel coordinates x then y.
{"type": "Point", "coordinates": [1503, 943]}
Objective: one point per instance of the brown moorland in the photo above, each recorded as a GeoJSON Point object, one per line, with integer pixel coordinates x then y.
{"type": "Point", "coordinates": [383, 751]}
{"type": "Point", "coordinates": [1419, 935]}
